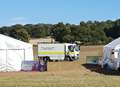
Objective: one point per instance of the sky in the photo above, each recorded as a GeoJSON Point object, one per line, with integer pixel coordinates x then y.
{"type": "Point", "coordinates": [54, 11]}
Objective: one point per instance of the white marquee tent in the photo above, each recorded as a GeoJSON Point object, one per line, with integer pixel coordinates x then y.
{"type": "Point", "coordinates": [13, 52]}
{"type": "Point", "coordinates": [112, 46]}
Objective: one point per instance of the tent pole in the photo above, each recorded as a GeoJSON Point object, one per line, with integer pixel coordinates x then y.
{"type": "Point", "coordinates": [24, 54]}
{"type": "Point", "coordinates": [6, 60]}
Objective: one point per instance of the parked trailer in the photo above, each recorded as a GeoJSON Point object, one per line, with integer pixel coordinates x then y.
{"type": "Point", "coordinates": [65, 51]}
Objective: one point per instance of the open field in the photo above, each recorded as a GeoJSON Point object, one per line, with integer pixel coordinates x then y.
{"type": "Point", "coordinates": [65, 74]}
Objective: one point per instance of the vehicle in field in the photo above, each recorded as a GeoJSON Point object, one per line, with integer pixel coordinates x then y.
{"type": "Point", "coordinates": [59, 51]}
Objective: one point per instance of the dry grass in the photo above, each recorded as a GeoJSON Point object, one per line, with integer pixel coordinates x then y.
{"type": "Point", "coordinates": [63, 74]}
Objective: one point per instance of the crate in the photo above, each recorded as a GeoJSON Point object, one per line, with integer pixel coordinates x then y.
{"type": "Point", "coordinates": [92, 59]}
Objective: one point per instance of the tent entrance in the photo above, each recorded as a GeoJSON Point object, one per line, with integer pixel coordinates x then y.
{"type": "Point", "coordinates": [11, 59]}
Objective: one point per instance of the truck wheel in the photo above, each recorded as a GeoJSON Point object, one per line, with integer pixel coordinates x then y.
{"type": "Point", "coordinates": [119, 69]}
{"type": "Point", "coordinates": [49, 59]}
{"type": "Point", "coordinates": [67, 58]}
{"type": "Point", "coordinates": [71, 59]}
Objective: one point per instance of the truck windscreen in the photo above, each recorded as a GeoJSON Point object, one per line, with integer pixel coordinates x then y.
{"type": "Point", "coordinates": [77, 48]}
{"type": "Point", "coordinates": [71, 48]}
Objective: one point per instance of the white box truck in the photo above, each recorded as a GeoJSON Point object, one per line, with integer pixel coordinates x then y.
{"type": "Point", "coordinates": [58, 51]}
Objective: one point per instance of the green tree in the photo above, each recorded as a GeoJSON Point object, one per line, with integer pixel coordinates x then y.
{"type": "Point", "coordinates": [20, 34]}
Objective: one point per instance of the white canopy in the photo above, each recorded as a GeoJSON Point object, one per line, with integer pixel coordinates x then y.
{"type": "Point", "coordinates": [13, 52]}
{"type": "Point", "coordinates": [112, 46]}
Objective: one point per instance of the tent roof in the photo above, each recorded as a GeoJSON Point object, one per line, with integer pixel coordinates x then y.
{"type": "Point", "coordinates": [114, 43]}
{"type": "Point", "coordinates": [7, 42]}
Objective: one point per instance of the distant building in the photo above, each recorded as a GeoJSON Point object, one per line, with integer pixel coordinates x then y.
{"type": "Point", "coordinates": [35, 41]}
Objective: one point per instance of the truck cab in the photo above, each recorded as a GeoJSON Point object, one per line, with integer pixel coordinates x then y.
{"type": "Point", "coordinates": [72, 51]}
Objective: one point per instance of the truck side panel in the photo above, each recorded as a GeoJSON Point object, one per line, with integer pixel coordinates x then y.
{"type": "Point", "coordinates": [53, 51]}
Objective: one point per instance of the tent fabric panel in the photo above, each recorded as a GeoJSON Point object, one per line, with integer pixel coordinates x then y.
{"type": "Point", "coordinates": [11, 60]}
{"type": "Point", "coordinates": [28, 53]}
{"type": "Point", "coordinates": [11, 43]}
{"type": "Point", "coordinates": [12, 51]}
{"type": "Point", "coordinates": [113, 43]}
{"type": "Point", "coordinates": [14, 60]}
{"type": "Point", "coordinates": [107, 52]}
{"type": "Point", "coordinates": [2, 60]}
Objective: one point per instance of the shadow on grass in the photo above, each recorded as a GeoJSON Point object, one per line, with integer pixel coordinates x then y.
{"type": "Point", "coordinates": [98, 69]}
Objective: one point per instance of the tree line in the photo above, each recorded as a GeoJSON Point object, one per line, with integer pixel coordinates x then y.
{"type": "Point", "coordinates": [88, 33]}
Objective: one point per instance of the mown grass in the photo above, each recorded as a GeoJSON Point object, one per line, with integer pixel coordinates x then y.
{"type": "Point", "coordinates": [61, 74]}
{"type": "Point", "coordinates": [34, 79]}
